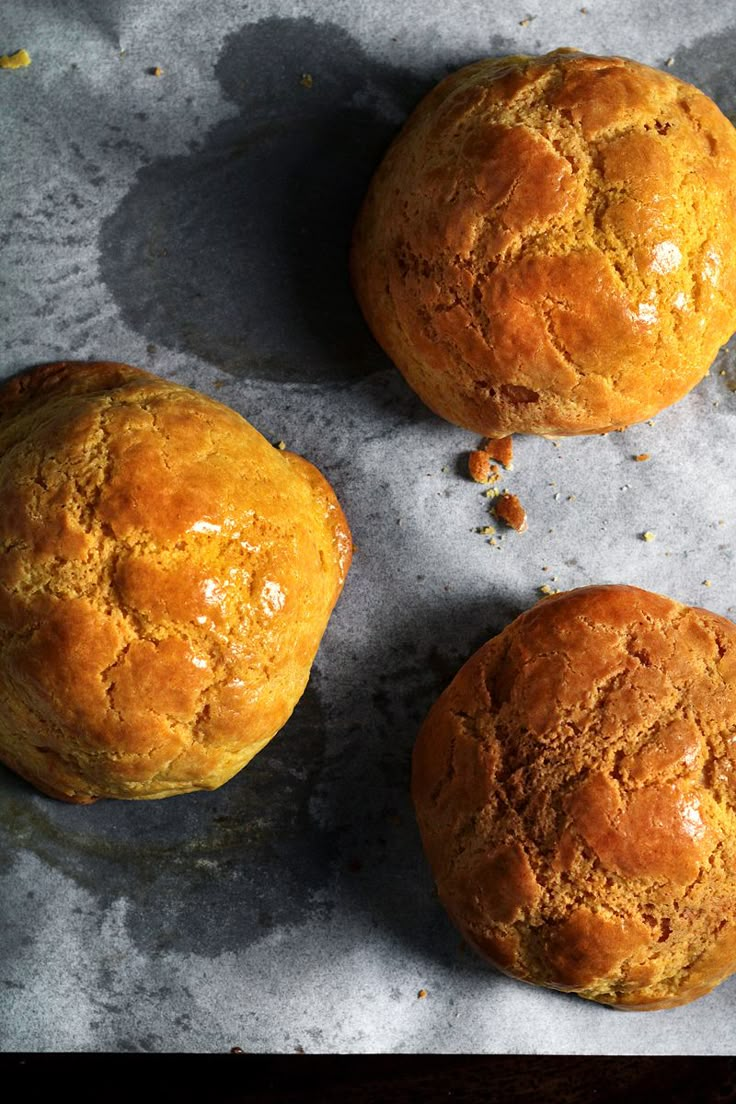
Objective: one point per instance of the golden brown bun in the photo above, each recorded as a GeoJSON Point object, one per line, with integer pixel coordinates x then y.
{"type": "Point", "coordinates": [575, 787]}
{"type": "Point", "coordinates": [548, 244]}
{"type": "Point", "coordinates": [166, 576]}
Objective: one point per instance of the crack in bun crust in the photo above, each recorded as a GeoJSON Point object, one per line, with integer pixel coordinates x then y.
{"type": "Point", "coordinates": [546, 247]}
{"type": "Point", "coordinates": [166, 576]}
{"type": "Point", "coordinates": [575, 788]}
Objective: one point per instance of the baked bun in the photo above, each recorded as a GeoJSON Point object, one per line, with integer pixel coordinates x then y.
{"type": "Point", "coordinates": [575, 787]}
{"type": "Point", "coordinates": [166, 576]}
{"type": "Point", "coordinates": [548, 245]}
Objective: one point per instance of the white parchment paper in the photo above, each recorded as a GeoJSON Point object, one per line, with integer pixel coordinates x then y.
{"type": "Point", "coordinates": [196, 223]}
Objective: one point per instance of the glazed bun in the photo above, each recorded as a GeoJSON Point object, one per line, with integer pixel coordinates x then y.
{"type": "Point", "coordinates": [548, 245]}
{"type": "Point", "coordinates": [575, 788]}
{"type": "Point", "coordinates": [166, 576]}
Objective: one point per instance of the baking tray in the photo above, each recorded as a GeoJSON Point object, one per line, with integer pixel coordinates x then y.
{"type": "Point", "coordinates": [197, 224]}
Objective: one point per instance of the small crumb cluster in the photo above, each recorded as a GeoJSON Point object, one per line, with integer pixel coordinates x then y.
{"type": "Point", "coordinates": [483, 467]}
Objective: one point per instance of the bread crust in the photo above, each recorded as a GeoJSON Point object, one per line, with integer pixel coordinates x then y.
{"type": "Point", "coordinates": [546, 247]}
{"type": "Point", "coordinates": [575, 787]}
{"type": "Point", "coordinates": [166, 576]}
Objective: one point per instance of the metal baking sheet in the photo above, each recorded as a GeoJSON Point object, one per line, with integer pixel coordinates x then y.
{"type": "Point", "coordinates": [197, 223]}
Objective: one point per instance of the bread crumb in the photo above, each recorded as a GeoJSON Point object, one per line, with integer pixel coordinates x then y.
{"type": "Point", "coordinates": [707, 582]}
{"type": "Point", "coordinates": [526, 21]}
{"type": "Point", "coordinates": [486, 530]}
{"type": "Point", "coordinates": [509, 509]}
{"type": "Point", "coordinates": [21, 59]}
{"type": "Point", "coordinates": [281, 445]}
{"type": "Point", "coordinates": [492, 492]}
{"type": "Point", "coordinates": [648, 535]}
{"type": "Point", "coordinates": [480, 467]}
{"type": "Point", "coordinates": [156, 71]}
{"type": "Point", "coordinates": [306, 80]}
{"type": "Point", "coordinates": [547, 590]}
{"type": "Point", "coordinates": [502, 450]}
{"type": "Point", "coordinates": [422, 994]}
{"type": "Point", "coordinates": [670, 62]}
{"type": "Point", "coordinates": [641, 456]}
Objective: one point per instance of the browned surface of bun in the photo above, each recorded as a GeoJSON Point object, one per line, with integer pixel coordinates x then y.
{"type": "Point", "coordinates": [547, 246]}
{"type": "Point", "coordinates": [575, 788]}
{"type": "Point", "coordinates": [166, 576]}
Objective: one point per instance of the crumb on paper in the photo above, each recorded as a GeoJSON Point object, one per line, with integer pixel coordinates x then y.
{"type": "Point", "coordinates": [509, 509]}
{"type": "Point", "coordinates": [670, 62]}
{"type": "Point", "coordinates": [21, 59]}
{"type": "Point", "coordinates": [583, 11]}
{"type": "Point", "coordinates": [708, 582]}
{"type": "Point", "coordinates": [422, 994]}
{"type": "Point", "coordinates": [640, 457]}
{"type": "Point", "coordinates": [281, 445]}
{"type": "Point", "coordinates": [480, 467]}
{"type": "Point", "coordinates": [486, 530]}
{"type": "Point", "coordinates": [526, 21]}
{"type": "Point", "coordinates": [547, 590]}
{"type": "Point", "coordinates": [648, 535]}
{"type": "Point", "coordinates": [501, 450]}
{"type": "Point", "coordinates": [306, 80]}
{"type": "Point", "coordinates": [492, 492]}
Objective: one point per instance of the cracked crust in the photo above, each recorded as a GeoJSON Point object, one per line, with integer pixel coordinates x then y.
{"type": "Point", "coordinates": [575, 787]}
{"type": "Point", "coordinates": [546, 247]}
{"type": "Point", "coordinates": [166, 576]}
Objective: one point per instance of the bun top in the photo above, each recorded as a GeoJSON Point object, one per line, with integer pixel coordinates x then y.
{"type": "Point", "coordinates": [165, 578]}
{"type": "Point", "coordinates": [576, 791]}
{"type": "Point", "coordinates": [546, 247]}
